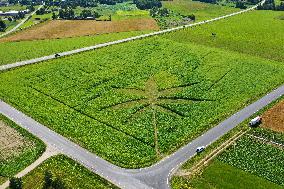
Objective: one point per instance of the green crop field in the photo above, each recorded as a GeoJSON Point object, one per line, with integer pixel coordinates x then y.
{"type": "Point", "coordinates": [258, 158]}
{"type": "Point", "coordinates": [72, 174]}
{"type": "Point", "coordinates": [11, 52]}
{"type": "Point", "coordinates": [202, 11]}
{"type": "Point", "coordinates": [136, 102]}
{"type": "Point", "coordinates": [21, 153]}
{"type": "Point", "coordinates": [257, 33]}
{"type": "Point", "coordinates": [222, 175]}
{"type": "Point", "coordinates": [256, 163]}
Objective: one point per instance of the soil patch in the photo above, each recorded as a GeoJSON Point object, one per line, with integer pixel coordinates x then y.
{"type": "Point", "coordinates": [72, 28]}
{"type": "Point", "coordinates": [274, 118]}
{"type": "Point", "coordinates": [11, 142]}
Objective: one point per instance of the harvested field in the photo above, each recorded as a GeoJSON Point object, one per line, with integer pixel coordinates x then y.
{"type": "Point", "coordinates": [71, 28]}
{"type": "Point", "coordinates": [11, 142]}
{"type": "Point", "coordinates": [274, 118]}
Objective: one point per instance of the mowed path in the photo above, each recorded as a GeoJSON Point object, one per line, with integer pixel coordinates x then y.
{"type": "Point", "coordinates": [71, 28]}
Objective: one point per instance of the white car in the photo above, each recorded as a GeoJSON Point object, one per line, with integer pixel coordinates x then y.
{"type": "Point", "coordinates": [255, 121]}
{"type": "Point", "coordinates": [200, 149]}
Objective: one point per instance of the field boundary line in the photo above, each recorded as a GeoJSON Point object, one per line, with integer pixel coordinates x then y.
{"type": "Point", "coordinates": [49, 152]}
{"type": "Point", "coordinates": [84, 49]}
{"type": "Point", "coordinates": [196, 168]}
{"type": "Point", "coordinates": [21, 23]}
{"type": "Point", "coordinates": [267, 140]}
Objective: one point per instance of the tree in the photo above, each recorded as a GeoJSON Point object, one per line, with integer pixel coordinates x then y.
{"type": "Point", "coordinates": [54, 16]}
{"type": "Point", "coordinates": [58, 184]}
{"type": "Point", "coordinates": [16, 183]}
{"type": "Point", "coordinates": [47, 180]}
{"type": "Point", "coordinates": [241, 5]}
{"type": "Point", "coordinates": [147, 4]}
{"type": "Point", "coordinates": [86, 13]}
{"type": "Point", "coordinates": [2, 26]}
{"type": "Point", "coordinates": [31, 8]}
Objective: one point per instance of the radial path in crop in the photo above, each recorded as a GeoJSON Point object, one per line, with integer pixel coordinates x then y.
{"type": "Point", "coordinates": [137, 102]}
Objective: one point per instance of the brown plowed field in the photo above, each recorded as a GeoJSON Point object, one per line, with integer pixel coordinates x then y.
{"type": "Point", "coordinates": [71, 28]}
{"type": "Point", "coordinates": [274, 118]}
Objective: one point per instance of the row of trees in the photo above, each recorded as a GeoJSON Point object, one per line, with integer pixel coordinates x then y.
{"type": "Point", "coordinates": [49, 182]}
{"type": "Point", "coordinates": [3, 26]}
{"type": "Point", "coordinates": [147, 4]}
{"type": "Point", "coordinates": [270, 5]}
{"type": "Point", "coordinates": [69, 14]}
{"type": "Point", "coordinates": [207, 1]}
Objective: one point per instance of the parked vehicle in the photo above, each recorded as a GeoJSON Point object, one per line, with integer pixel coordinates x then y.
{"type": "Point", "coordinates": [200, 149]}
{"type": "Point", "coordinates": [255, 121]}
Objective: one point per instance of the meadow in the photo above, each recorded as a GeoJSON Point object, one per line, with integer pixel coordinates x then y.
{"type": "Point", "coordinates": [72, 174]}
{"type": "Point", "coordinates": [222, 175]}
{"type": "Point", "coordinates": [21, 154]}
{"type": "Point", "coordinates": [257, 33]}
{"type": "Point", "coordinates": [137, 102]}
{"type": "Point", "coordinates": [202, 11]}
{"type": "Point", "coordinates": [13, 51]}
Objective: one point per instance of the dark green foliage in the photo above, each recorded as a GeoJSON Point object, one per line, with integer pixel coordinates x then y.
{"type": "Point", "coordinates": [67, 13]}
{"type": "Point", "coordinates": [241, 5]}
{"type": "Point", "coordinates": [147, 4]}
{"type": "Point", "coordinates": [47, 179]}
{"type": "Point", "coordinates": [16, 183]}
{"type": "Point", "coordinates": [2, 26]}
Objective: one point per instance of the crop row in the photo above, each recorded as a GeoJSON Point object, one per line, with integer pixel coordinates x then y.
{"type": "Point", "coordinates": [113, 99]}
{"type": "Point", "coordinates": [262, 159]}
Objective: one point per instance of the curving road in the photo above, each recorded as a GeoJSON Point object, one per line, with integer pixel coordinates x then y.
{"type": "Point", "coordinates": [21, 23]}
{"type": "Point", "coordinates": [49, 57]}
{"type": "Point", "coordinates": [156, 176]}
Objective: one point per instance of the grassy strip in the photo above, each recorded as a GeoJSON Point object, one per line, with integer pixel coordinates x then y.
{"type": "Point", "coordinates": [28, 155]}
{"type": "Point", "coordinates": [222, 175]}
{"type": "Point", "coordinates": [73, 175]}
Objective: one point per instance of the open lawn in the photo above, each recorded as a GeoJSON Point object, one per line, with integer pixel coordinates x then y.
{"type": "Point", "coordinates": [221, 175]}
{"type": "Point", "coordinates": [71, 28]}
{"type": "Point", "coordinates": [18, 149]}
{"type": "Point", "coordinates": [72, 174]}
{"type": "Point", "coordinates": [257, 33]}
{"type": "Point", "coordinates": [17, 51]}
{"type": "Point", "coordinates": [202, 11]}
{"type": "Point", "coordinates": [136, 102]}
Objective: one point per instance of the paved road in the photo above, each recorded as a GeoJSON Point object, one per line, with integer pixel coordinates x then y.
{"type": "Point", "coordinates": [21, 23]}
{"type": "Point", "coordinates": [49, 57]}
{"type": "Point", "coordinates": [156, 176]}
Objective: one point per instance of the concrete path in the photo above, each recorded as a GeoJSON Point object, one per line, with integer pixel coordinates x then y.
{"type": "Point", "coordinates": [49, 152]}
{"type": "Point", "coordinates": [156, 176]}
